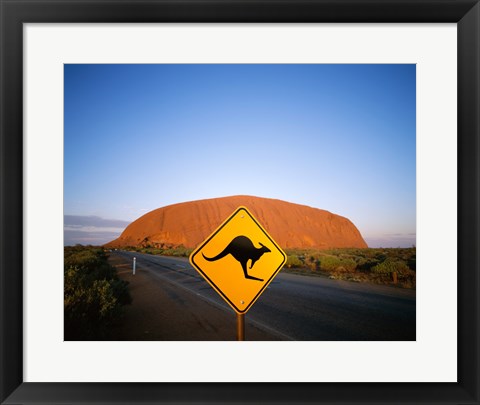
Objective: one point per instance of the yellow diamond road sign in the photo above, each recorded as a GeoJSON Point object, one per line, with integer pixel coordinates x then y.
{"type": "Point", "coordinates": [239, 260]}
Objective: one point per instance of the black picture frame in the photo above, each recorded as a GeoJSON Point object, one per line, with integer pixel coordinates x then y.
{"type": "Point", "coordinates": [14, 13]}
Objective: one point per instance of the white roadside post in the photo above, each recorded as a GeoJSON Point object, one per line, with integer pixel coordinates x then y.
{"type": "Point", "coordinates": [134, 264]}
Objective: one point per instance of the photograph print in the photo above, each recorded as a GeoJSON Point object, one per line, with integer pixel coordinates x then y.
{"type": "Point", "coordinates": [258, 202]}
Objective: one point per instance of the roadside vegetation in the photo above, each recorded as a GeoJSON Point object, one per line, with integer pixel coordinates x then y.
{"type": "Point", "coordinates": [179, 251]}
{"type": "Point", "coordinates": [378, 265]}
{"type": "Point", "coordinates": [396, 266]}
{"type": "Point", "coordinates": [94, 295]}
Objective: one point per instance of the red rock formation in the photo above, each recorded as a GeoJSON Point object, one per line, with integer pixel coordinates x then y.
{"type": "Point", "coordinates": [290, 225]}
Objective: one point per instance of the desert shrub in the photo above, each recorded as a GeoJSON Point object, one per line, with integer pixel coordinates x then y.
{"type": "Point", "coordinates": [178, 251]}
{"type": "Point", "coordinates": [380, 256]}
{"type": "Point", "coordinates": [335, 263]}
{"type": "Point", "coordinates": [182, 251]}
{"type": "Point", "coordinates": [313, 263]}
{"type": "Point", "coordinates": [365, 264]}
{"type": "Point", "coordinates": [404, 274]}
{"type": "Point", "coordinates": [391, 265]}
{"type": "Point", "coordinates": [89, 258]}
{"type": "Point", "coordinates": [151, 251]}
{"type": "Point", "coordinates": [339, 263]}
{"type": "Point", "coordinates": [294, 261]}
{"type": "Point", "coordinates": [412, 263]}
{"type": "Point", "coordinates": [93, 294]}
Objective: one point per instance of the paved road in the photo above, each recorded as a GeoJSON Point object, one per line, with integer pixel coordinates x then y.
{"type": "Point", "coordinates": [296, 307]}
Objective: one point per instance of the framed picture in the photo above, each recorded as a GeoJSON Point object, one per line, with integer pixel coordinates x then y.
{"type": "Point", "coordinates": [35, 371]}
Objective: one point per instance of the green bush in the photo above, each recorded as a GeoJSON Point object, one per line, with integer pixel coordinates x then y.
{"type": "Point", "coordinates": [179, 251]}
{"type": "Point", "coordinates": [391, 265]}
{"type": "Point", "coordinates": [339, 263]}
{"type": "Point", "coordinates": [151, 251]}
{"type": "Point", "coordinates": [412, 262]}
{"type": "Point", "coordinates": [365, 264]}
{"type": "Point", "coordinates": [294, 261]}
{"type": "Point", "coordinates": [335, 263]}
{"type": "Point", "coordinates": [93, 294]}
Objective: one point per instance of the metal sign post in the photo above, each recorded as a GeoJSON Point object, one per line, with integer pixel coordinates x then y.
{"type": "Point", "coordinates": [134, 264]}
{"type": "Point", "coordinates": [240, 327]}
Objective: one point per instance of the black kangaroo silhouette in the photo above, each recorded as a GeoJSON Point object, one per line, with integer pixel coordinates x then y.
{"type": "Point", "coordinates": [243, 250]}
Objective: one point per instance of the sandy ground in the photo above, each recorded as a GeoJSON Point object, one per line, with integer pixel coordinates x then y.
{"type": "Point", "coordinates": [161, 311]}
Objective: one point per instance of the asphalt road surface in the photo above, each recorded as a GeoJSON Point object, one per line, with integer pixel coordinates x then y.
{"type": "Point", "coordinates": [293, 307]}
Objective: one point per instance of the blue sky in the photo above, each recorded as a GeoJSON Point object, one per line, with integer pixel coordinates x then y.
{"type": "Point", "coordinates": [335, 137]}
